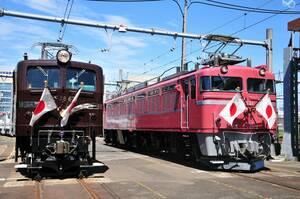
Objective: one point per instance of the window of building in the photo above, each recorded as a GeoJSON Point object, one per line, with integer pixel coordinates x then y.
{"type": "Point", "coordinates": [5, 86]}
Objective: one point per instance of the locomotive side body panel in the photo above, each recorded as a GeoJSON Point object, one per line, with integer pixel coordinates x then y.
{"type": "Point", "coordinates": [188, 106]}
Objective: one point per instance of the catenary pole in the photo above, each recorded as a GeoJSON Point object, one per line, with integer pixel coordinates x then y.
{"type": "Point", "coordinates": [123, 28]}
{"type": "Point", "coordinates": [183, 45]}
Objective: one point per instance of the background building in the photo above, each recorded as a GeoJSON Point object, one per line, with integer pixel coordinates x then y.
{"type": "Point", "coordinates": [6, 87]}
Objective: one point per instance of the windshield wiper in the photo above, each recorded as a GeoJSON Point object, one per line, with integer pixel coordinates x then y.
{"type": "Point", "coordinates": [223, 81]}
{"type": "Point", "coordinates": [79, 74]}
{"type": "Point", "coordinates": [43, 72]}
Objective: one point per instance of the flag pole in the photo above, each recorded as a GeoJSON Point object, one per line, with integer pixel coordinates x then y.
{"type": "Point", "coordinates": [267, 92]}
{"type": "Point", "coordinates": [249, 111]}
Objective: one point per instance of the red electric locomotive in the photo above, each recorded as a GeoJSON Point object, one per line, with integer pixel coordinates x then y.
{"type": "Point", "coordinates": [222, 114]}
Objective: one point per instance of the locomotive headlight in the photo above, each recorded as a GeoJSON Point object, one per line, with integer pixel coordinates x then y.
{"type": "Point", "coordinates": [63, 56]}
{"type": "Point", "coordinates": [262, 72]}
{"type": "Point", "coordinates": [224, 69]}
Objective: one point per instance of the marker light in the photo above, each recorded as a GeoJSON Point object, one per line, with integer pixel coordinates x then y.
{"type": "Point", "coordinates": [224, 69]}
{"type": "Point", "coordinates": [262, 72]}
{"type": "Point", "coordinates": [63, 56]}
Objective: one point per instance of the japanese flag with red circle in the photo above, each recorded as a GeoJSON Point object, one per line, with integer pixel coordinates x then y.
{"type": "Point", "coordinates": [233, 109]}
{"type": "Point", "coordinates": [45, 105]}
{"type": "Point", "coordinates": [67, 112]}
{"type": "Point", "coordinates": [266, 109]}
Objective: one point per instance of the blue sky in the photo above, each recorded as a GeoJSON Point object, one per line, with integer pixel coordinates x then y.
{"type": "Point", "coordinates": [130, 51]}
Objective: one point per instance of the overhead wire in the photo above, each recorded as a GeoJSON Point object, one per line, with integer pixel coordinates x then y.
{"type": "Point", "coordinates": [242, 8]}
{"type": "Point", "coordinates": [243, 29]}
{"type": "Point", "coordinates": [218, 27]}
{"type": "Point", "coordinates": [220, 5]}
{"type": "Point", "coordinates": [258, 22]}
{"type": "Point", "coordinates": [66, 18]}
{"type": "Point", "coordinates": [160, 56]}
{"type": "Point", "coordinates": [126, 1]}
{"type": "Point", "coordinates": [256, 8]}
{"type": "Point", "coordinates": [236, 18]}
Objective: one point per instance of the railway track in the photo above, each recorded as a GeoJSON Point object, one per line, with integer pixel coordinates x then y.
{"type": "Point", "coordinates": [38, 190]}
{"type": "Point", "coordinates": [269, 178]}
{"type": "Point", "coordinates": [88, 189]}
{"type": "Point", "coordinates": [101, 192]}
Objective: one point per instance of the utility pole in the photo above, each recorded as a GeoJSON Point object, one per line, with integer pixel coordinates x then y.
{"type": "Point", "coordinates": [183, 44]}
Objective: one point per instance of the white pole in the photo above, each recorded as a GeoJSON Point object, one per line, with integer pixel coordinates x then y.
{"type": "Point", "coordinates": [122, 27]}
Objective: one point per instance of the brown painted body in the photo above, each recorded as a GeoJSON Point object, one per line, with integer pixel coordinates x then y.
{"type": "Point", "coordinates": [26, 99]}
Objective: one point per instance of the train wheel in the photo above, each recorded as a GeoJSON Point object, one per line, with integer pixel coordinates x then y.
{"type": "Point", "coordinates": [38, 177]}
{"type": "Point", "coordinates": [82, 174]}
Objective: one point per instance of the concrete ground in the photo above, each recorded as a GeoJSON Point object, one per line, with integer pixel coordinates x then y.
{"type": "Point", "coordinates": [137, 176]}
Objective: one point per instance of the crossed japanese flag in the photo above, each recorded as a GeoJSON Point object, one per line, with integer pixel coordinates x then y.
{"type": "Point", "coordinates": [233, 109]}
{"type": "Point", "coordinates": [266, 109]}
{"type": "Point", "coordinates": [236, 106]}
{"type": "Point", "coordinates": [47, 104]}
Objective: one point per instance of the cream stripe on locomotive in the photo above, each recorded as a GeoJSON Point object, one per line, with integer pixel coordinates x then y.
{"type": "Point", "coordinates": [212, 102]}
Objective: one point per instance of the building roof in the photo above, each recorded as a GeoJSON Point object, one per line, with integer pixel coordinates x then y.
{"type": "Point", "coordinates": [294, 25]}
{"type": "Point", "coordinates": [6, 76]}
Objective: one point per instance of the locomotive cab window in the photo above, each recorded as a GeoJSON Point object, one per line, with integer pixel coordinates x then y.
{"type": "Point", "coordinates": [36, 76]}
{"type": "Point", "coordinates": [75, 76]}
{"type": "Point", "coordinates": [221, 83]}
{"type": "Point", "coordinates": [193, 88]}
{"type": "Point", "coordinates": [255, 85]}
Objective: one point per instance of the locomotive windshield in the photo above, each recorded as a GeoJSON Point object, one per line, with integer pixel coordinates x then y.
{"type": "Point", "coordinates": [37, 75]}
{"type": "Point", "coordinates": [255, 85]}
{"type": "Point", "coordinates": [75, 76]}
{"type": "Point", "coordinates": [219, 83]}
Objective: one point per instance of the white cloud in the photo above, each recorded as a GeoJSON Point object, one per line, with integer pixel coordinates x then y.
{"type": "Point", "coordinates": [114, 19]}
{"type": "Point", "coordinates": [129, 41]}
{"type": "Point", "coordinates": [173, 24]}
{"type": "Point", "coordinates": [125, 49]}
{"type": "Point", "coordinates": [33, 28]}
{"type": "Point", "coordinates": [46, 6]}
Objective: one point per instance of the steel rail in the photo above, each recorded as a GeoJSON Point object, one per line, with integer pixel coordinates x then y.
{"type": "Point", "coordinates": [123, 28]}
{"type": "Point", "coordinates": [109, 191]}
{"type": "Point", "coordinates": [86, 187]}
{"type": "Point", "coordinates": [287, 187]}
{"type": "Point", "coordinates": [38, 190]}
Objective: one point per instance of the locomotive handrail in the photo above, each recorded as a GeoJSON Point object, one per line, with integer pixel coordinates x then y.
{"type": "Point", "coordinates": [123, 28]}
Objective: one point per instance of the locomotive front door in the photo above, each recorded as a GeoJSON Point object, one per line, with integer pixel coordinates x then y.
{"type": "Point", "coordinates": [184, 106]}
{"type": "Point", "coordinates": [192, 105]}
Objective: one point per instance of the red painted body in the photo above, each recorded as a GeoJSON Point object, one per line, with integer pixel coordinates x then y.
{"type": "Point", "coordinates": [157, 108]}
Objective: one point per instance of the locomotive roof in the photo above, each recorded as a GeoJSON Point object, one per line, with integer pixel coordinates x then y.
{"type": "Point", "coordinates": [53, 62]}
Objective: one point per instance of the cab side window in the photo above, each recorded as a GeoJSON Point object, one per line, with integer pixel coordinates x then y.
{"type": "Point", "coordinates": [193, 88]}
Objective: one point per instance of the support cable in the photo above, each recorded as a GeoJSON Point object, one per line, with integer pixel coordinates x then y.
{"type": "Point", "coordinates": [66, 18]}
{"type": "Point", "coordinates": [218, 27]}
{"type": "Point", "coordinates": [243, 8]}
{"type": "Point", "coordinates": [197, 50]}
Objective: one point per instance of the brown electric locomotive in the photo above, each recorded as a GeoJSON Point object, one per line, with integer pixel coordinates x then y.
{"type": "Point", "coordinates": [47, 147]}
